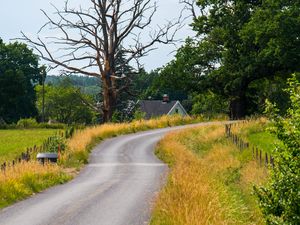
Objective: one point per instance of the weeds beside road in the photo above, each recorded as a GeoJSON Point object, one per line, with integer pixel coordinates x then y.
{"type": "Point", "coordinates": [210, 181]}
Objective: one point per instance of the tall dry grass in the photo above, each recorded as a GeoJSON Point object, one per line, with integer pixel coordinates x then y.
{"type": "Point", "coordinates": [80, 144]}
{"type": "Point", "coordinates": [24, 179]}
{"type": "Point", "coordinates": [208, 184]}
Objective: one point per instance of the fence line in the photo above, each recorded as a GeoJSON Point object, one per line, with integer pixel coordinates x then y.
{"type": "Point", "coordinates": [257, 154]}
{"type": "Point", "coordinates": [30, 153]}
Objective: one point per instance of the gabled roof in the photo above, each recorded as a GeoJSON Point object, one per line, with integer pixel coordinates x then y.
{"type": "Point", "coordinates": [154, 108]}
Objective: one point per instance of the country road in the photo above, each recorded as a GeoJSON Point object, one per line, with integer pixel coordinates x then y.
{"type": "Point", "coordinates": [117, 187]}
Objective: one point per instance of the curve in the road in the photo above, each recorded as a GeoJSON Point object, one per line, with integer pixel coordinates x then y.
{"type": "Point", "coordinates": [116, 188]}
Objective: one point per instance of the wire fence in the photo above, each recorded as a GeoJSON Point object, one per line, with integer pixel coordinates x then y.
{"type": "Point", "coordinates": [263, 158]}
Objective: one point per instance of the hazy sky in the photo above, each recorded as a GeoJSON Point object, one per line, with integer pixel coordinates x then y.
{"type": "Point", "coordinates": [20, 15]}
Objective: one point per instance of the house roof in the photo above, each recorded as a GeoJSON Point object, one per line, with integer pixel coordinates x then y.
{"type": "Point", "coordinates": [154, 108]}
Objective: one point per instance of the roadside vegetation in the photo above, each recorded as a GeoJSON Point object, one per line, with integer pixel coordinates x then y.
{"type": "Point", "coordinates": [24, 179]}
{"type": "Point", "coordinates": [82, 142]}
{"type": "Point", "coordinates": [27, 178]}
{"type": "Point", "coordinates": [258, 133]}
{"type": "Point", "coordinates": [210, 181]}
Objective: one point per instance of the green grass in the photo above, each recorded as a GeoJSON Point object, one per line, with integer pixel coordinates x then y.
{"type": "Point", "coordinates": [13, 142]}
{"type": "Point", "coordinates": [264, 140]}
{"type": "Point", "coordinates": [258, 135]}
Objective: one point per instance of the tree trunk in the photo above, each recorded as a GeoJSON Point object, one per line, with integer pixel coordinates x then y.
{"type": "Point", "coordinates": [238, 108]}
{"type": "Point", "coordinates": [109, 95]}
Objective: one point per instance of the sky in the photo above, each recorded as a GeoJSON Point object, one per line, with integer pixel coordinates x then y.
{"type": "Point", "coordinates": [26, 16]}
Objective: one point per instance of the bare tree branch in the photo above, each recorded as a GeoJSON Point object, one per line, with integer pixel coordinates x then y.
{"type": "Point", "coordinates": [88, 40]}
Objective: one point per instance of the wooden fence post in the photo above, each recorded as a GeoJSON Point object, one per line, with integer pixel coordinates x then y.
{"type": "Point", "coordinates": [272, 161]}
{"type": "Point", "coordinates": [257, 154]}
{"type": "Point", "coordinates": [266, 159]}
{"type": "Point", "coordinates": [260, 157]}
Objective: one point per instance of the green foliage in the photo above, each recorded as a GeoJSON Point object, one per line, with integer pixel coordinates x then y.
{"type": "Point", "coordinates": [87, 85]}
{"type": "Point", "coordinates": [3, 124]}
{"type": "Point", "coordinates": [66, 104]}
{"type": "Point", "coordinates": [280, 199]}
{"type": "Point", "coordinates": [244, 51]}
{"type": "Point", "coordinates": [55, 143]}
{"type": "Point", "coordinates": [139, 115]}
{"type": "Point", "coordinates": [27, 123]}
{"type": "Point", "coordinates": [116, 117]}
{"type": "Point", "coordinates": [19, 72]}
{"type": "Point", "coordinates": [209, 104]}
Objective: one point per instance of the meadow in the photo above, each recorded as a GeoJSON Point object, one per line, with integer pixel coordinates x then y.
{"type": "Point", "coordinates": [14, 142]}
{"type": "Point", "coordinates": [210, 180]}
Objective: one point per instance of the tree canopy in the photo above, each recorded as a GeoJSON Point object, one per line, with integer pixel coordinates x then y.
{"type": "Point", "coordinates": [19, 71]}
{"type": "Point", "coordinates": [65, 103]}
{"type": "Point", "coordinates": [244, 51]}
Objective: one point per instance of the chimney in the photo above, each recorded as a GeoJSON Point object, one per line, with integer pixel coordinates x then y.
{"type": "Point", "coordinates": [166, 98]}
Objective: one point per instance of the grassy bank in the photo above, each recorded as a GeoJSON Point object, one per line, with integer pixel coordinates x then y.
{"type": "Point", "coordinates": [13, 142]}
{"type": "Point", "coordinates": [25, 179]}
{"type": "Point", "coordinates": [210, 181]}
{"type": "Point", "coordinates": [257, 133]}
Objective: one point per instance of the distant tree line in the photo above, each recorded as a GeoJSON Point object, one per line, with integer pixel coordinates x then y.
{"type": "Point", "coordinates": [21, 92]}
{"type": "Point", "coordinates": [26, 91]}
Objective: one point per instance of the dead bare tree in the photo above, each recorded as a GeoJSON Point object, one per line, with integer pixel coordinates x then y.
{"type": "Point", "coordinates": [87, 41]}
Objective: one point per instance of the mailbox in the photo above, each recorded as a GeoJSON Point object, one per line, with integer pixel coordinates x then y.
{"type": "Point", "coordinates": [47, 157]}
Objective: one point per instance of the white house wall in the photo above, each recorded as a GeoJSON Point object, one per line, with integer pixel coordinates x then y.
{"type": "Point", "coordinates": [177, 109]}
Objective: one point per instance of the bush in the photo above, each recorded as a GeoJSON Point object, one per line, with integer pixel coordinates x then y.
{"type": "Point", "coordinates": [56, 142]}
{"type": "Point", "coordinates": [139, 115]}
{"type": "Point", "coordinates": [27, 123]}
{"type": "Point", "coordinates": [3, 124]}
{"type": "Point", "coordinates": [52, 125]}
{"type": "Point", "coordinates": [280, 198]}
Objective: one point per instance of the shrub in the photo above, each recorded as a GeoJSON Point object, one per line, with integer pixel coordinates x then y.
{"type": "Point", "coordinates": [280, 198]}
{"type": "Point", "coordinates": [3, 124]}
{"type": "Point", "coordinates": [27, 123]}
{"type": "Point", "coordinates": [52, 126]}
{"type": "Point", "coordinates": [56, 142]}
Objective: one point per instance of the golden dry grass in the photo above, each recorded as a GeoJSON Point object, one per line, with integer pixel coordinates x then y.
{"type": "Point", "coordinates": [27, 178]}
{"type": "Point", "coordinates": [79, 144]}
{"type": "Point", "coordinates": [205, 188]}
{"type": "Point", "coordinates": [24, 179]}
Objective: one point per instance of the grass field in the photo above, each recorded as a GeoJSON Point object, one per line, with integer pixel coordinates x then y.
{"type": "Point", "coordinates": [13, 142]}
{"type": "Point", "coordinates": [210, 180]}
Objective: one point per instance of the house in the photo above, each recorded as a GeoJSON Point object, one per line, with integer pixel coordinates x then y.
{"type": "Point", "coordinates": [156, 108]}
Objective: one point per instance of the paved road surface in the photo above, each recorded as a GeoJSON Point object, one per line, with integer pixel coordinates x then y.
{"type": "Point", "coordinates": [116, 188]}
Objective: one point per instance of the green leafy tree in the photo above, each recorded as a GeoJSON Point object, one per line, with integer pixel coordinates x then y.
{"type": "Point", "coordinates": [244, 51]}
{"type": "Point", "coordinates": [19, 72]}
{"type": "Point", "coordinates": [280, 198]}
{"type": "Point", "coordinates": [209, 103]}
{"type": "Point", "coordinates": [66, 104]}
